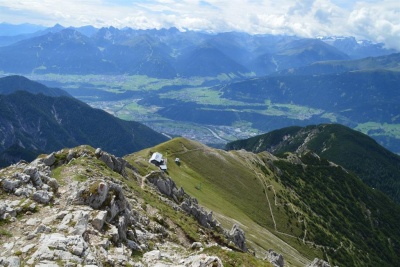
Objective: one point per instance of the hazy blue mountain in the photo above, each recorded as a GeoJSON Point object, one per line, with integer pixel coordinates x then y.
{"type": "Point", "coordinates": [9, 40]}
{"type": "Point", "coordinates": [386, 62]}
{"type": "Point", "coordinates": [295, 54]}
{"type": "Point", "coordinates": [358, 49]}
{"type": "Point", "coordinates": [12, 84]}
{"type": "Point", "coordinates": [206, 60]}
{"type": "Point", "coordinates": [109, 36]}
{"type": "Point", "coordinates": [358, 96]}
{"type": "Point", "coordinates": [87, 30]}
{"type": "Point", "coordinates": [7, 29]}
{"type": "Point", "coordinates": [241, 47]}
{"type": "Point", "coordinates": [164, 53]}
{"type": "Point", "coordinates": [66, 51]}
{"type": "Point", "coordinates": [142, 55]}
{"type": "Point", "coordinates": [6, 40]}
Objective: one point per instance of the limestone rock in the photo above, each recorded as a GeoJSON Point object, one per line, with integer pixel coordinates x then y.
{"type": "Point", "coordinates": [29, 170]}
{"type": "Point", "coordinates": [53, 184]}
{"type": "Point", "coordinates": [34, 175]}
{"type": "Point", "coordinates": [107, 159]}
{"type": "Point", "coordinates": [99, 220]}
{"type": "Point", "coordinates": [188, 204]}
{"type": "Point", "coordinates": [12, 261]}
{"type": "Point", "coordinates": [203, 260]}
{"type": "Point", "coordinates": [113, 233]}
{"type": "Point", "coordinates": [42, 229]}
{"type": "Point", "coordinates": [50, 159]}
{"type": "Point", "coordinates": [122, 228]}
{"type": "Point", "coordinates": [3, 208]}
{"type": "Point", "coordinates": [165, 186]}
{"type": "Point", "coordinates": [23, 177]}
{"type": "Point", "coordinates": [57, 246]}
{"type": "Point", "coordinates": [71, 155]}
{"type": "Point", "coordinates": [10, 185]}
{"type": "Point", "coordinates": [104, 243]}
{"type": "Point", "coordinates": [81, 225]}
{"type": "Point", "coordinates": [275, 258]}
{"type": "Point", "coordinates": [318, 263]}
{"type": "Point", "coordinates": [115, 163]}
{"type": "Point", "coordinates": [22, 192]}
{"type": "Point", "coordinates": [236, 235]}
{"type": "Point", "coordinates": [36, 179]}
{"type": "Point", "coordinates": [32, 221]}
{"type": "Point", "coordinates": [94, 223]}
{"type": "Point", "coordinates": [196, 245]}
{"type": "Point", "coordinates": [98, 152]}
{"type": "Point", "coordinates": [152, 256]}
{"type": "Point", "coordinates": [43, 197]}
{"type": "Point", "coordinates": [133, 245]}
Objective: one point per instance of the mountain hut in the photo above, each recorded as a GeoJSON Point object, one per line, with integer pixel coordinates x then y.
{"type": "Point", "coordinates": [156, 159]}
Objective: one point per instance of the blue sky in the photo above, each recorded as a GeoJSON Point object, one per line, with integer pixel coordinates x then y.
{"type": "Point", "coordinates": [378, 21]}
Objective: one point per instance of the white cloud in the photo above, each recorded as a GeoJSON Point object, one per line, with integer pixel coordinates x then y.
{"type": "Point", "coordinates": [377, 20]}
{"type": "Point", "coordinates": [380, 23]}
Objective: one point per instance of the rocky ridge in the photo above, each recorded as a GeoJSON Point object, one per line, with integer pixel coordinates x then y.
{"type": "Point", "coordinates": [74, 208]}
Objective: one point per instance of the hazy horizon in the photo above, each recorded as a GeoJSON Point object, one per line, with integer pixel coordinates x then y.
{"type": "Point", "coordinates": [378, 21]}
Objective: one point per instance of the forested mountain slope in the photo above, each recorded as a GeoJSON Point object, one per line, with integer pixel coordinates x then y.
{"type": "Point", "coordinates": [375, 165]}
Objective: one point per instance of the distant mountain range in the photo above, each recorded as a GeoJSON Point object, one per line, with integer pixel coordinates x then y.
{"type": "Point", "coordinates": [356, 49]}
{"type": "Point", "coordinates": [10, 33]}
{"type": "Point", "coordinates": [376, 166]}
{"type": "Point", "coordinates": [337, 79]}
{"type": "Point", "coordinates": [387, 62]}
{"type": "Point", "coordinates": [36, 119]}
{"type": "Point", "coordinates": [360, 96]}
{"type": "Point", "coordinates": [167, 53]}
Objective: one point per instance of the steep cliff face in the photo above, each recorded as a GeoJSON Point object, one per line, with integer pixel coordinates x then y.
{"type": "Point", "coordinates": [86, 207]}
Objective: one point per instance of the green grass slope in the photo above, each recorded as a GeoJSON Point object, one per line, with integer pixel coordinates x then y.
{"type": "Point", "coordinates": [375, 165]}
{"type": "Point", "coordinates": [300, 207]}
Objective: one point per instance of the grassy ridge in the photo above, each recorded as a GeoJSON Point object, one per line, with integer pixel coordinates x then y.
{"type": "Point", "coordinates": [305, 207]}
{"type": "Point", "coordinates": [181, 228]}
{"type": "Point", "coordinates": [228, 184]}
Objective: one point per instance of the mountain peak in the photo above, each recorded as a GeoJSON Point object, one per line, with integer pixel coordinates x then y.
{"type": "Point", "coordinates": [56, 28]}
